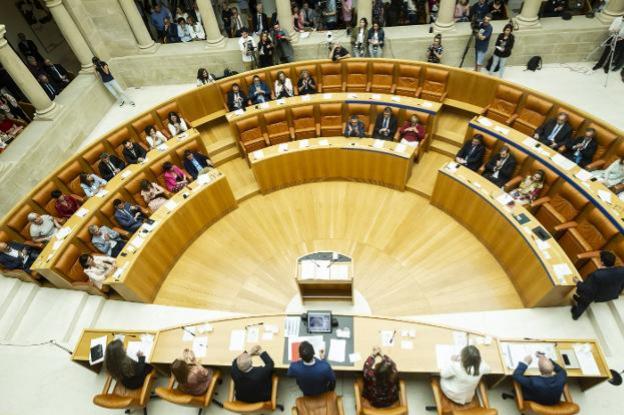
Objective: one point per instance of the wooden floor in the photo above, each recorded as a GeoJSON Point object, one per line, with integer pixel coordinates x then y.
{"type": "Point", "coordinates": [410, 258]}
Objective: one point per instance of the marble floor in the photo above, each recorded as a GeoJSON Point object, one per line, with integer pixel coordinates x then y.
{"type": "Point", "coordinates": [40, 379]}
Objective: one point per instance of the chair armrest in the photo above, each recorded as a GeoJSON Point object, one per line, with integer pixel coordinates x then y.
{"type": "Point", "coordinates": [595, 165]}
{"type": "Point", "coordinates": [589, 255]}
{"type": "Point", "coordinates": [437, 394]}
{"type": "Point", "coordinates": [231, 390]}
{"type": "Point", "coordinates": [485, 401]}
{"type": "Point", "coordinates": [368, 86]}
{"type": "Point", "coordinates": [402, 393]}
{"type": "Point", "coordinates": [565, 226]}
{"type": "Point", "coordinates": [443, 97]}
{"type": "Point", "coordinates": [358, 397]}
{"type": "Point", "coordinates": [291, 132]}
{"type": "Point", "coordinates": [339, 405]}
{"type": "Point", "coordinates": [146, 390]}
{"type": "Point", "coordinates": [294, 411]}
{"type": "Point", "coordinates": [513, 183]}
{"type": "Point", "coordinates": [418, 92]}
{"type": "Point", "coordinates": [481, 169]}
{"type": "Point", "coordinates": [216, 375]}
{"type": "Point", "coordinates": [318, 129]}
{"type": "Point", "coordinates": [171, 382]}
{"type": "Point", "coordinates": [511, 119]}
{"type": "Point", "coordinates": [393, 88]}
{"type": "Point", "coordinates": [567, 396]}
{"type": "Point", "coordinates": [274, 386]}
{"type": "Point", "coordinates": [107, 384]}
{"type": "Point", "coordinates": [519, 396]}
{"type": "Point", "coordinates": [539, 202]}
{"type": "Point", "coordinates": [484, 110]}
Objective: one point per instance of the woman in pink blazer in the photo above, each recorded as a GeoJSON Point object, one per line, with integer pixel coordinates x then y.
{"type": "Point", "coordinates": [175, 178]}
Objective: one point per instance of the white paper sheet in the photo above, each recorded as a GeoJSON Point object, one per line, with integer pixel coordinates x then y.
{"type": "Point", "coordinates": [258, 154]}
{"type": "Point", "coordinates": [396, 98]}
{"type": "Point", "coordinates": [387, 338]}
{"type": "Point", "coordinates": [291, 326]}
{"type": "Point", "coordinates": [82, 212]}
{"type": "Point", "coordinates": [200, 345]}
{"type": "Point", "coordinates": [530, 142]}
{"type": "Point", "coordinates": [400, 148]}
{"type": "Point", "coordinates": [304, 143]}
{"type": "Point", "coordinates": [542, 245]}
{"type": "Point", "coordinates": [343, 333]}
{"type": "Point", "coordinates": [162, 147]}
{"type": "Point", "coordinates": [586, 359]}
{"type": "Point", "coordinates": [378, 144]}
{"type": "Point", "coordinates": [337, 349]}
{"type": "Point", "coordinates": [237, 340]}
{"type": "Point", "coordinates": [63, 232]}
{"type": "Point", "coordinates": [126, 173]}
{"type": "Point", "coordinates": [561, 270]}
{"type": "Point", "coordinates": [427, 104]}
{"type": "Point", "coordinates": [205, 328]}
{"type": "Point", "coordinates": [203, 179]}
{"type": "Point", "coordinates": [137, 241]}
{"type": "Point", "coordinates": [375, 96]}
{"type": "Point", "coordinates": [102, 193]}
{"type": "Point", "coordinates": [354, 357]}
{"type": "Point", "coordinates": [583, 175]}
{"type": "Point", "coordinates": [283, 147]}
{"type": "Point", "coordinates": [444, 353]}
{"type": "Point", "coordinates": [280, 101]}
{"type": "Point", "coordinates": [305, 98]}
{"type": "Point", "coordinates": [516, 352]}
{"type": "Point", "coordinates": [562, 162]}
{"type": "Point", "coordinates": [264, 105]}
{"type": "Point", "coordinates": [56, 245]}
{"type": "Point", "coordinates": [352, 95]}
{"type": "Point", "coordinates": [308, 269]}
{"type": "Point", "coordinates": [239, 112]}
{"type": "Point", "coordinates": [605, 195]}
{"type": "Point", "coordinates": [339, 272]}
{"type": "Point", "coordinates": [94, 342]}
{"type": "Point", "coordinates": [253, 334]}
{"type": "Point", "coordinates": [327, 96]}
{"type": "Point", "coordinates": [485, 121]}
{"type": "Point", "coordinates": [407, 344]}
{"type": "Point", "coordinates": [324, 142]}
{"type": "Point", "coordinates": [271, 328]}
{"type": "Point", "coordinates": [504, 198]}
{"type": "Point", "coordinates": [144, 346]}
{"type": "Point", "coordinates": [188, 334]}
{"type": "Point", "coordinates": [502, 130]}
{"type": "Point", "coordinates": [267, 336]}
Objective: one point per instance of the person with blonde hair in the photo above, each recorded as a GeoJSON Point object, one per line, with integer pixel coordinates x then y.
{"type": "Point", "coordinates": [461, 376]}
{"type": "Point", "coordinates": [191, 376]}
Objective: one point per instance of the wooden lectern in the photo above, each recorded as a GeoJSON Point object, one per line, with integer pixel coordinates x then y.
{"type": "Point", "coordinates": [325, 276]}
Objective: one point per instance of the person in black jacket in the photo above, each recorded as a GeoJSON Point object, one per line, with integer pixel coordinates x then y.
{"type": "Point", "coordinates": [555, 131]}
{"type": "Point", "coordinates": [385, 125]}
{"type": "Point", "coordinates": [50, 89]}
{"type": "Point", "coordinates": [252, 384]}
{"type": "Point", "coordinates": [500, 167]}
{"type": "Point", "coordinates": [604, 284]}
{"type": "Point", "coordinates": [236, 99]}
{"type": "Point", "coordinates": [196, 163]}
{"type": "Point", "coordinates": [28, 47]}
{"type": "Point", "coordinates": [580, 150]}
{"type": "Point", "coordinates": [14, 255]}
{"type": "Point", "coordinates": [57, 73]}
{"type": "Point", "coordinates": [502, 50]}
{"type": "Point", "coordinates": [133, 152]}
{"type": "Point", "coordinates": [170, 32]}
{"type": "Point", "coordinates": [260, 21]}
{"type": "Point", "coordinates": [472, 152]}
{"type": "Point", "coordinates": [306, 84]}
{"type": "Point", "coordinates": [109, 166]}
{"type": "Point", "coordinates": [130, 373]}
{"type": "Point", "coordinates": [545, 389]}
{"type": "Point", "coordinates": [554, 8]}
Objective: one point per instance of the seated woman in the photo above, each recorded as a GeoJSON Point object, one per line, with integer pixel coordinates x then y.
{"type": "Point", "coordinates": [462, 11]}
{"type": "Point", "coordinates": [97, 267]}
{"type": "Point", "coordinates": [176, 124]}
{"type": "Point", "coordinates": [381, 380]}
{"type": "Point", "coordinates": [412, 131]}
{"type": "Point", "coordinates": [497, 10]}
{"type": "Point", "coordinates": [130, 373]}
{"type": "Point", "coordinates": [460, 377]}
{"type": "Point", "coordinates": [283, 86]}
{"type": "Point", "coordinates": [258, 91]}
{"type": "Point", "coordinates": [8, 126]}
{"type": "Point", "coordinates": [91, 183]}
{"type": "Point", "coordinates": [191, 376]}
{"type": "Point", "coordinates": [306, 84]}
{"type": "Point", "coordinates": [153, 195]}
{"type": "Point", "coordinates": [204, 77]}
{"type": "Point", "coordinates": [236, 99]}
{"type": "Point", "coordinates": [154, 137]}
{"type": "Point", "coordinates": [613, 175]}
{"type": "Point", "coordinates": [65, 205]}
{"type": "Point", "coordinates": [354, 128]}
{"type": "Point", "coordinates": [529, 188]}
{"type": "Point", "coordinates": [500, 167]}
{"type": "Point", "coordinates": [174, 177]}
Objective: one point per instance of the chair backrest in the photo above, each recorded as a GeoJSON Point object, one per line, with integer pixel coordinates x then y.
{"type": "Point", "coordinates": [18, 221]}
{"type": "Point", "coordinates": [330, 114]}
{"type": "Point", "coordinates": [382, 78]}
{"type": "Point", "coordinates": [534, 111]}
{"type": "Point", "coordinates": [276, 121]}
{"type": "Point", "coordinates": [324, 404]}
{"type": "Point", "coordinates": [521, 160]}
{"type": "Point", "coordinates": [568, 201]}
{"type": "Point", "coordinates": [505, 101]}
{"type": "Point", "coordinates": [617, 153]}
{"type": "Point", "coordinates": [435, 81]}
{"type": "Point", "coordinates": [331, 76]}
{"type": "Point", "coordinates": [157, 167]}
{"type": "Point", "coordinates": [70, 176]}
{"type": "Point", "coordinates": [357, 76]}
{"type": "Point", "coordinates": [287, 71]}
{"type": "Point", "coordinates": [249, 129]}
{"type": "Point", "coordinates": [605, 140]}
{"type": "Point", "coordinates": [43, 198]}
{"type": "Point", "coordinates": [408, 79]}
{"type": "Point", "coordinates": [163, 112]}
{"type": "Point", "coordinates": [67, 264]}
{"type": "Point", "coordinates": [596, 229]}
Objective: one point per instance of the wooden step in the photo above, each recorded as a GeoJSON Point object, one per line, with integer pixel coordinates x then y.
{"type": "Point", "coordinates": [224, 156]}
{"type": "Point", "coordinates": [453, 137]}
{"type": "Point", "coordinates": [245, 192]}
{"type": "Point", "coordinates": [219, 146]}
{"type": "Point", "coordinates": [444, 148]}
{"type": "Point", "coordinates": [425, 172]}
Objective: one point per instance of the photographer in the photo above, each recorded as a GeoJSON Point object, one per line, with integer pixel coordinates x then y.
{"type": "Point", "coordinates": [283, 48]}
{"type": "Point", "coordinates": [247, 47]}
{"type": "Point", "coordinates": [617, 60]}
{"type": "Point", "coordinates": [482, 41]}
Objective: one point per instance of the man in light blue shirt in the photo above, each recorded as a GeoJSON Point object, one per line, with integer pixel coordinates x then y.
{"type": "Point", "coordinates": [158, 18]}
{"type": "Point", "coordinates": [106, 240]}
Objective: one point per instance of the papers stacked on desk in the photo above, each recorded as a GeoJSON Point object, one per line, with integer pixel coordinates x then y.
{"type": "Point", "coordinates": [400, 148]}
{"type": "Point", "coordinates": [137, 241]}
{"type": "Point", "coordinates": [291, 326]}
{"type": "Point", "coordinates": [203, 179]}
{"type": "Point", "coordinates": [504, 198]}
{"type": "Point", "coordinates": [324, 270]}
{"type": "Point", "coordinates": [119, 271]}
{"type": "Point", "coordinates": [516, 352]}
{"type": "Point", "coordinates": [56, 245]}
{"type": "Point", "coordinates": [324, 142]}
{"type": "Point", "coordinates": [280, 101]}
{"type": "Point", "coordinates": [82, 212]}
{"type": "Point", "coordinates": [162, 147]}
{"type": "Point", "coordinates": [144, 346]}
{"type": "Point", "coordinates": [485, 121]}
{"type": "Point", "coordinates": [317, 342]}
{"type": "Point", "coordinates": [562, 162]}
{"type": "Point", "coordinates": [586, 359]}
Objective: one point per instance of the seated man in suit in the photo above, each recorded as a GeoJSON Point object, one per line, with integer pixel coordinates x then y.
{"type": "Point", "coordinates": [500, 167]}
{"type": "Point", "coordinates": [385, 125]}
{"type": "Point", "coordinates": [580, 150]}
{"type": "Point", "coordinates": [236, 99]}
{"type": "Point", "coordinates": [50, 89]}
{"type": "Point", "coordinates": [314, 376]}
{"type": "Point", "coordinates": [604, 284]}
{"type": "Point", "coordinates": [259, 92]}
{"type": "Point", "coordinates": [109, 166]}
{"type": "Point", "coordinates": [133, 152]}
{"type": "Point", "coordinates": [554, 131]}
{"type": "Point", "coordinates": [106, 240]}
{"type": "Point", "coordinates": [354, 128]}
{"type": "Point", "coordinates": [14, 255]}
{"type": "Point", "coordinates": [57, 73]}
{"type": "Point", "coordinates": [129, 216]}
{"type": "Point", "coordinates": [196, 163]}
{"type": "Point", "coordinates": [545, 389]}
{"type": "Point", "coordinates": [252, 383]}
{"type": "Point", "coordinates": [472, 152]}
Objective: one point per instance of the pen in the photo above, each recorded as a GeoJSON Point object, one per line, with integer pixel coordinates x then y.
{"type": "Point", "coordinates": [254, 324]}
{"type": "Point", "coordinates": [188, 331]}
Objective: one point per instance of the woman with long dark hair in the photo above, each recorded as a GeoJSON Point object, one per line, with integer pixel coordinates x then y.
{"type": "Point", "coordinates": [502, 50]}
{"type": "Point", "coordinates": [176, 124]}
{"type": "Point", "coordinates": [265, 50]}
{"type": "Point", "coordinates": [131, 374]}
{"type": "Point", "coordinates": [381, 380]}
{"type": "Point", "coordinates": [204, 77]}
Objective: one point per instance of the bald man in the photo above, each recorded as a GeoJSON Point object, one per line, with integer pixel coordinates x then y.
{"type": "Point", "coordinates": [545, 389]}
{"type": "Point", "coordinates": [252, 383]}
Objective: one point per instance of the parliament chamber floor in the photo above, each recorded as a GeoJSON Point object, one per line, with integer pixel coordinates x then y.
{"type": "Point", "coordinates": [414, 260]}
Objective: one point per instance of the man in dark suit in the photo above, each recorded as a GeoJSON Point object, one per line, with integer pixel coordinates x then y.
{"type": "Point", "coordinates": [545, 389]}
{"type": "Point", "coordinates": [385, 125]}
{"type": "Point", "coordinates": [580, 150]}
{"type": "Point", "coordinates": [314, 376]}
{"type": "Point", "coordinates": [260, 21]}
{"type": "Point", "coordinates": [130, 217]}
{"type": "Point", "coordinates": [196, 163]}
{"type": "Point", "coordinates": [354, 128]}
{"type": "Point", "coordinates": [472, 152]}
{"type": "Point", "coordinates": [50, 89]}
{"type": "Point", "coordinates": [252, 383]}
{"type": "Point", "coordinates": [56, 72]}
{"type": "Point", "coordinates": [554, 131]}
{"type": "Point", "coordinates": [133, 152]}
{"type": "Point", "coordinates": [109, 166]}
{"type": "Point", "coordinates": [500, 167]}
{"type": "Point", "coordinates": [28, 47]}
{"type": "Point", "coordinates": [236, 99]}
{"type": "Point", "coordinates": [14, 255]}
{"type": "Point", "coordinates": [604, 284]}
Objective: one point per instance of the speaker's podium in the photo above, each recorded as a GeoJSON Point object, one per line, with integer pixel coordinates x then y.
{"type": "Point", "coordinates": [325, 276]}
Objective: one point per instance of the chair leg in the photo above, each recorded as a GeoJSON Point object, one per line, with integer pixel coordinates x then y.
{"type": "Point", "coordinates": [216, 402]}
{"type": "Point", "coordinates": [431, 408]}
{"type": "Point", "coordinates": [200, 411]}
{"type": "Point", "coordinates": [280, 407]}
{"type": "Point", "coordinates": [505, 396]}
{"type": "Point", "coordinates": [145, 411]}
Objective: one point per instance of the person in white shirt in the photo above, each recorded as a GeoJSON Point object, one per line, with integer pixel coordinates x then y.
{"type": "Point", "coordinates": [97, 267]}
{"type": "Point", "coordinates": [359, 39]}
{"type": "Point", "coordinates": [461, 376]}
{"type": "Point", "coordinates": [283, 86]}
{"type": "Point", "coordinates": [247, 47]}
{"type": "Point", "coordinates": [154, 137]}
{"type": "Point", "coordinates": [204, 77]}
{"type": "Point", "coordinates": [198, 29]}
{"type": "Point", "coordinates": [91, 184]}
{"type": "Point", "coordinates": [43, 227]}
{"type": "Point", "coordinates": [176, 124]}
{"type": "Point", "coordinates": [185, 31]}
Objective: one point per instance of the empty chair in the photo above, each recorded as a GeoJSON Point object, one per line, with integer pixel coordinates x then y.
{"type": "Point", "coordinates": [331, 78]}
{"type": "Point", "coordinates": [304, 123]}
{"type": "Point", "coordinates": [601, 164]}
{"type": "Point", "coordinates": [408, 80]}
{"type": "Point", "coordinates": [605, 140]}
{"type": "Point", "coordinates": [590, 233]}
{"type": "Point", "coordinates": [382, 78]}
{"type": "Point", "coordinates": [277, 127]}
{"type": "Point", "coordinates": [357, 76]}
{"type": "Point", "coordinates": [364, 407]}
{"type": "Point", "coordinates": [250, 135]}
{"type": "Point", "coordinates": [531, 115]}
{"type": "Point", "coordinates": [327, 403]}
{"type": "Point", "coordinates": [330, 119]}
{"type": "Point", "coordinates": [504, 104]}
{"type": "Point", "coordinates": [480, 404]}
{"type": "Point", "coordinates": [174, 395]}
{"type": "Point", "coordinates": [122, 398]}
{"type": "Point", "coordinates": [362, 111]}
{"type": "Point", "coordinates": [567, 407]}
{"type": "Point", "coordinates": [434, 84]}
{"type": "Point", "coordinates": [563, 206]}
{"type": "Point", "coordinates": [240, 407]}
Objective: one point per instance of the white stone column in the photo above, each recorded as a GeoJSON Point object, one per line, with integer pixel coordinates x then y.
{"type": "Point", "coordinates": [285, 18]}
{"type": "Point", "coordinates": [613, 9]}
{"type": "Point", "coordinates": [144, 40]}
{"type": "Point", "coordinates": [365, 9]}
{"type": "Point", "coordinates": [211, 26]}
{"type": "Point", "coordinates": [45, 108]}
{"type": "Point", "coordinates": [446, 16]}
{"type": "Point", "coordinates": [528, 16]}
{"type": "Point", "coordinates": [71, 33]}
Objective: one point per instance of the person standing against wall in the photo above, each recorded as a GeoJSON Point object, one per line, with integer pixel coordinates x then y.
{"type": "Point", "coordinates": [103, 71]}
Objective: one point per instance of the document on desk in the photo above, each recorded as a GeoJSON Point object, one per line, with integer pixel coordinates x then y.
{"type": "Point", "coordinates": [203, 179]}
{"type": "Point", "coordinates": [258, 154]}
{"type": "Point", "coordinates": [516, 352]}
{"type": "Point", "coordinates": [484, 121]}
{"type": "Point", "coordinates": [102, 193]}
{"type": "Point", "coordinates": [291, 326]}
{"type": "Point", "coordinates": [322, 270]}
{"type": "Point", "coordinates": [200, 344]}
{"type": "Point", "coordinates": [188, 333]}
{"type": "Point", "coordinates": [337, 350]}
{"type": "Point", "coordinates": [170, 205]}
{"type": "Point", "coordinates": [407, 344]}
{"type": "Point", "coordinates": [400, 148]}
{"type": "Point", "coordinates": [542, 245]}
{"type": "Point", "coordinates": [271, 328]}
{"type": "Point", "coordinates": [605, 195]}
{"type": "Point", "coordinates": [375, 96]}
{"type": "Point", "coordinates": [583, 175]}
{"type": "Point", "coordinates": [305, 98]}
{"type": "Point", "coordinates": [444, 353]}
{"type": "Point", "coordinates": [562, 162]}
{"type": "Point", "coordinates": [586, 359]}
{"type": "Point", "coordinates": [339, 271]}
{"type": "Point", "coordinates": [56, 245]}
{"type": "Point", "coordinates": [304, 143]}
{"type": "Point", "coordinates": [97, 350]}
{"type": "Point", "coordinates": [253, 334]}
{"type": "Point", "coordinates": [460, 339]}
{"type": "Point", "coordinates": [504, 198]}
{"type": "Point", "coordinates": [561, 270]}
{"type": "Point", "coordinates": [237, 340]}
{"type": "Point", "coordinates": [133, 348]}
{"type": "Point", "coordinates": [283, 147]}
{"type": "Point", "coordinates": [387, 337]}
{"type": "Point", "coordinates": [63, 232]}
{"type": "Point", "coordinates": [82, 212]}
{"type": "Point", "coordinates": [137, 241]}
